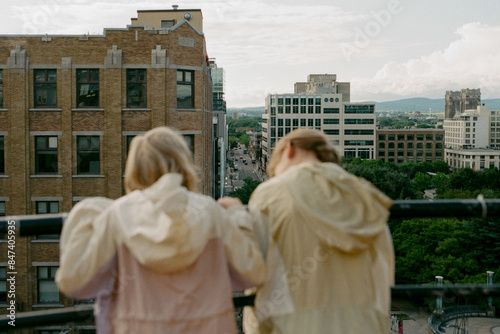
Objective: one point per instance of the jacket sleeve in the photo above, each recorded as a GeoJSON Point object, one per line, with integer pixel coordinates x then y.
{"type": "Point", "coordinates": [87, 246]}
{"type": "Point", "coordinates": [241, 248]}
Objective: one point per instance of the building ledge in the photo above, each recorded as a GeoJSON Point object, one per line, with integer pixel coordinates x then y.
{"type": "Point", "coordinates": [45, 109]}
{"type": "Point", "coordinates": [87, 176]}
{"type": "Point", "coordinates": [50, 241]}
{"type": "Point", "coordinates": [136, 109]}
{"type": "Point", "coordinates": [34, 176]}
{"type": "Point", "coordinates": [48, 305]}
{"type": "Point", "coordinates": [4, 176]}
{"type": "Point", "coordinates": [87, 109]}
{"type": "Point", "coordinates": [4, 109]}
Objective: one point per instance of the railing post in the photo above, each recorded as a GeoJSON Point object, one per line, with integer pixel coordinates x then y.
{"type": "Point", "coordinates": [439, 300]}
{"type": "Point", "coordinates": [489, 281]}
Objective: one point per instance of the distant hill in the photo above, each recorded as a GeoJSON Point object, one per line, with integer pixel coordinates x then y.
{"type": "Point", "coordinates": [425, 105]}
{"type": "Point", "coordinates": [421, 104]}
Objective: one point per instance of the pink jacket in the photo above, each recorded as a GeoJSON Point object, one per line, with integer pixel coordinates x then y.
{"type": "Point", "coordinates": [159, 260]}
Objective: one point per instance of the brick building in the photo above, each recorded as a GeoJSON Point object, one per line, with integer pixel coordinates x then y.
{"type": "Point", "coordinates": [410, 145]}
{"type": "Point", "coordinates": [69, 106]}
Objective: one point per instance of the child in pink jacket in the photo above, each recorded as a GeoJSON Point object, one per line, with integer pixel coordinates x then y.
{"type": "Point", "coordinates": [163, 258]}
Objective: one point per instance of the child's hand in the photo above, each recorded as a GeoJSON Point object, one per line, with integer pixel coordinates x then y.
{"type": "Point", "coordinates": [227, 202]}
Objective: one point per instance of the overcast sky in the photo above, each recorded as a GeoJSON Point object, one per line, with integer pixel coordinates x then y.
{"type": "Point", "coordinates": [387, 49]}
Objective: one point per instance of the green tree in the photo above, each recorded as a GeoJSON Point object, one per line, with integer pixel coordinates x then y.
{"type": "Point", "coordinates": [245, 140]}
{"type": "Point", "coordinates": [233, 141]}
{"type": "Point", "coordinates": [246, 191]}
{"type": "Point", "coordinates": [422, 182]}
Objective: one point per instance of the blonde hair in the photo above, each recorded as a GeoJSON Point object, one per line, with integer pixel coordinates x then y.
{"type": "Point", "coordinates": [158, 152]}
{"type": "Point", "coordinates": [308, 140]}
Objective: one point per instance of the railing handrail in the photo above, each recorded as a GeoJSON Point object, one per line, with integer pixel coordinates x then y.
{"type": "Point", "coordinates": [29, 225]}
{"type": "Point", "coordinates": [85, 312]}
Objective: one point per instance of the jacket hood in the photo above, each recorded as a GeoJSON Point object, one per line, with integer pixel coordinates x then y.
{"type": "Point", "coordinates": [344, 211]}
{"type": "Point", "coordinates": [157, 224]}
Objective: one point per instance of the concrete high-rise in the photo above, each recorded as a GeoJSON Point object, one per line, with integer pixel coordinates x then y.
{"type": "Point", "coordinates": [459, 101]}
{"type": "Point", "coordinates": [321, 103]}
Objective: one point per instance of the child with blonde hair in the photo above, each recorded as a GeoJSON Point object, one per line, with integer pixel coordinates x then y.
{"type": "Point", "coordinates": [163, 258]}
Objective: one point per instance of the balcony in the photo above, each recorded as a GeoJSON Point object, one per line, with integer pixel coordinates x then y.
{"type": "Point", "coordinates": [51, 224]}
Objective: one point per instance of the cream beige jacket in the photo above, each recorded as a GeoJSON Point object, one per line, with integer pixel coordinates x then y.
{"type": "Point", "coordinates": [328, 250]}
{"type": "Point", "coordinates": [161, 260]}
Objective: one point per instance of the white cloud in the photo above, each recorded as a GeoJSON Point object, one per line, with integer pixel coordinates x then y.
{"type": "Point", "coordinates": [469, 62]}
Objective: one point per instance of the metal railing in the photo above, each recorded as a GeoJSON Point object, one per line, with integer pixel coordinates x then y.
{"type": "Point", "coordinates": [52, 224]}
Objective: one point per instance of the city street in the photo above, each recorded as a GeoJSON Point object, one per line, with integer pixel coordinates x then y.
{"type": "Point", "coordinates": [241, 171]}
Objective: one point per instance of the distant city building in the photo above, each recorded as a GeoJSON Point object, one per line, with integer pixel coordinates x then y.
{"type": "Point", "coordinates": [321, 103]}
{"type": "Point", "coordinates": [473, 139]}
{"type": "Point", "coordinates": [69, 108]}
{"type": "Point", "coordinates": [220, 131]}
{"type": "Point", "coordinates": [459, 101]}
{"type": "Point", "coordinates": [235, 115]}
{"type": "Point", "coordinates": [410, 145]}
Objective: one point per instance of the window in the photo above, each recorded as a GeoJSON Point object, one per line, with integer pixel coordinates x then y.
{"type": "Point", "coordinates": [129, 141]}
{"type": "Point", "coordinates": [358, 142]}
{"type": "Point", "coordinates": [2, 209]}
{"type": "Point", "coordinates": [295, 122]}
{"type": "Point", "coordinates": [185, 89]}
{"type": "Point", "coordinates": [410, 145]}
{"type": "Point", "coordinates": [401, 145]}
{"type": "Point", "coordinates": [189, 141]}
{"type": "Point", "coordinates": [358, 132]}
{"type": "Point", "coordinates": [287, 109]}
{"type": "Point", "coordinates": [439, 137]}
{"type": "Point", "coordinates": [45, 154]}
{"type": "Point", "coordinates": [401, 137]}
{"type": "Point", "coordinates": [391, 137]}
{"type": "Point", "coordinates": [167, 23]}
{"type": "Point", "coordinates": [280, 109]}
{"type": "Point", "coordinates": [331, 110]}
{"type": "Point", "coordinates": [317, 122]}
{"type": "Point", "coordinates": [302, 122]}
{"type": "Point", "coordinates": [381, 145]}
{"type": "Point", "coordinates": [410, 137]}
{"type": "Point", "coordinates": [280, 121]}
{"type": "Point", "coordinates": [359, 109]}
{"type": "Point", "coordinates": [288, 101]}
{"type": "Point", "coordinates": [45, 88]}
{"type": "Point", "coordinates": [295, 109]}
{"type": "Point", "coordinates": [87, 88]}
{"type": "Point", "coordinates": [1, 88]}
{"type": "Point", "coordinates": [3, 285]}
{"type": "Point", "coordinates": [136, 88]}
{"type": "Point", "coordinates": [310, 109]}
{"type": "Point", "coordinates": [420, 137]}
{"type": "Point", "coordinates": [331, 131]}
{"type": "Point", "coordinates": [381, 137]}
{"type": "Point", "coordinates": [44, 207]}
{"type": "Point", "coordinates": [331, 121]}
{"type": "Point", "coordinates": [2, 155]}
{"type": "Point", "coordinates": [359, 121]}
{"type": "Point", "coordinates": [302, 109]}
{"type": "Point", "coordinates": [420, 145]}
{"type": "Point", "coordinates": [88, 155]}
{"type": "Point", "coordinates": [310, 122]}
{"type": "Point", "coordinates": [288, 122]}
{"type": "Point", "coordinates": [48, 292]}
{"type": "Point", "coordinates": [391, 145]}
{"type": "Point", "coordinates": [429, 137]}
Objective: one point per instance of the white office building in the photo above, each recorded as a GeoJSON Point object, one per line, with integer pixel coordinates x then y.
{"type": "Point", "coordinates": [471, 139]}
{"type": "Point", "coordinates": [324, 104]}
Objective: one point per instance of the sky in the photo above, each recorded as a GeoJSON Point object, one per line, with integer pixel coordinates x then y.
{"type": "Point", "coordinates": [386, 49]}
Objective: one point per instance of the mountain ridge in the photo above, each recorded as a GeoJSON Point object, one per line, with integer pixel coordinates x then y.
{"type": "Point", "coordinates": [421, 104]}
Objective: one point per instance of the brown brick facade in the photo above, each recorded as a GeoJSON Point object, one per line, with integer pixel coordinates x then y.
{"type": "Point", "coordinates": [410, 145]}
{"type": "Point", "coordinates": [160, 53]}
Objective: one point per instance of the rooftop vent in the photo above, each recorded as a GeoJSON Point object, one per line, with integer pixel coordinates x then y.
{"type": "Point", "coordinates": [175, 7]}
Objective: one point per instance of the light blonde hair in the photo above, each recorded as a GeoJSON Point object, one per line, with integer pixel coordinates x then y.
{"type": "Point", "coordinates": [308, 140]}
{"type": "Point", "coordinates": [159, 151]}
